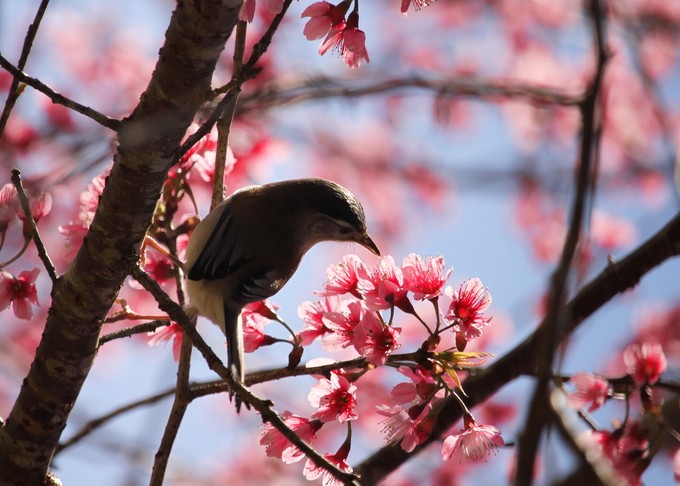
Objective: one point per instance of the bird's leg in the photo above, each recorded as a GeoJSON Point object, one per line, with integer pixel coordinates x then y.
{"type": "Point", "coordinates": [153, 243]}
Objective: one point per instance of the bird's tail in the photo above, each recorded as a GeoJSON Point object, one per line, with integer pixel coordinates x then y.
{"type": "Point", "coordinates": [233, 328]}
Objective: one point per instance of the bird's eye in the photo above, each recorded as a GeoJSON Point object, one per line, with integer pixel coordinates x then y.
{"type": "Point", "coordinates": [345, 231]}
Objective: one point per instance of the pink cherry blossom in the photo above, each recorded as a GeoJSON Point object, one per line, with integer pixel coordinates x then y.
{"type": "Point", "coordinates": [205, 164]}
{"type": "Point", "coordinates": [349, 40]}
{"type": "Point", "coordinates": [342, 325]}
{"type": "Point", "coordinates": [312, 314]}
{"type": "Point", "coordinates": [374, 339]}
{"type": "Point", "coordinates": [343, 277]}
{"type": "Point", "coordinates": [473, 443]}
{"type": "Point", "coordinates": [40, 206]}
{"type": "Point", "coordinates": [158, 266]}
{"type": "Point", "coordinates": [200, 158]}
{"type": "Point", "coordinates": [276, 445]}
{"type": "Point", "coordinates": [247, 13]}
{"type": "Point", "coordinates": [323, 17]}
{"type": "Point", "coordinates": [335, 399]}
{"type": "Point", "coordinates": [248, 10]}
{"type": "Point", "coordinates": [89, 199]}
{"type": "Point", "coordinates": [313, 472]}
{"type": "Point", "coordinates": [626, 450]}
{"type": "Point", "coordinates": [8, 205]}
{"type": "Point", "coordinates": [382, 285]}
{"type": "Point", "coordinates": [59, 116]}
{"type": "Point", "coordinates": [20, 292]}
{"type": "Point", "coordinates": [421, 387]}
{"type": "Point", "coordinates": [645, 362]}
{"type": "Point", "coordinates": [171, 332]}
{"type": "Point", "coordinates": [406, 425]}
{"type": "Point", "coordinates": [73, 233]}
{"type": "Point", "coordinates": [611, 233]}
{"type": "Point", "coordinates": [255, 316]}
{"type": "Point", "coordinates": [590, 389]}
{"type": "Point", "coordinates": [466, 308]}
{"type": "Point", "coordinates": [425, 278]}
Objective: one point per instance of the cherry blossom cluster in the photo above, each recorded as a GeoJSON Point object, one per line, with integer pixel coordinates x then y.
{"type": "Point", "coordinates": [627, 448]}
{"type": "Point", "coordinates": [357, 310]}
{"type": "Point", "coordinates": [19, 291]}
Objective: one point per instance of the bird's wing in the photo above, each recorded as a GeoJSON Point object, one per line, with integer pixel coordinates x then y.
{"type": "Point", "coordinates": [222, 254]}
{"type": "Point", "coordinates": [258, 286]}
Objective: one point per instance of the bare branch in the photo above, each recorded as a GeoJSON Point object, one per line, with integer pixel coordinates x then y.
{"type": "Point", "coordinates": [131, 331]}
{"type": "Point", "coordinates": [182, 400]}
{"type": "Point", "coordinates": [35, 234]}
{"type": "Point", "coordinates": [323, 87]}
{"type": "Point", "coordinates": [59, 99]}
{"type": "Point", "coordinates": [14, 91]}
{"type": "Point", "coordinates": [539, 409]}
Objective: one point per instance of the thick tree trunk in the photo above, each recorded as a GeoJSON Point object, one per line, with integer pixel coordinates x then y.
{"type": "Point", "coordinates": [81, 298]}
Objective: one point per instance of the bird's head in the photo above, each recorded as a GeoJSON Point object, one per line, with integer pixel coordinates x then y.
{"type": "Point", "coordinates": [335, 214]}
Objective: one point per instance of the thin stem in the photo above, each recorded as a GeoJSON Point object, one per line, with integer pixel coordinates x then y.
{"type": "Point", "coordinates": [24, 247]}
{"type": "Point", "coordinates": [435, 303]}
{"type": "Point", "coordinates": [420, 319]}
{"type": "Point", "coordinates": [25, 205]}
{"type": "Point", "coordinates": [460, 402]}
{"type": "Point", "coordinates": [290, 331]}
{"type": "Point", "coordinates": [14, 91]}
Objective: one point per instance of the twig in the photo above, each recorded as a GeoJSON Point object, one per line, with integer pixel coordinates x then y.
{"type": "Point", "coordinates": [248, 71]}
{"type": "Point", "coordinates": [103, 120]}
{"type": "Point", "coordinates": [94, 424]}
{"type": "Point", "coordinates": [227, 118]}
{"type": "Point", "coordinates": [26, 206]}
{"type": "Point", "coordinates": [131, 331]}
{"type": "Point", "coordinates": [556, 319]}
{"type": "Point", "coordinates": [264, 407]}
{"type": "Point", "coordinates": [14, 91]}
{"type": "Point", "coordinates": [179, 407]}
{"type": "Point", "coordinates": [259, 49]}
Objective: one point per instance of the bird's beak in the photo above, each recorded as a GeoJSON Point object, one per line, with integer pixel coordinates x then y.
{"type": "Point", "coordinates": [367, 243]}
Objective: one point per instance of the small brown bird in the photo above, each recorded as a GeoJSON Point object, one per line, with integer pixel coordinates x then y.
{"type": "Point", "coordinates": [250, 245]}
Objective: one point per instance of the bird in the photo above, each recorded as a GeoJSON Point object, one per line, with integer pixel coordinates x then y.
{"type": "Point", "coordinates": [251, 244]}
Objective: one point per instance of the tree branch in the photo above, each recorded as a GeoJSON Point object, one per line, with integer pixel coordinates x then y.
{"type": "Point", "coordinates": [539, 408]}
{"type": "Point", "coordinates": [20, 76]}
{"type": "Point", "coordinates": [323, 87]}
